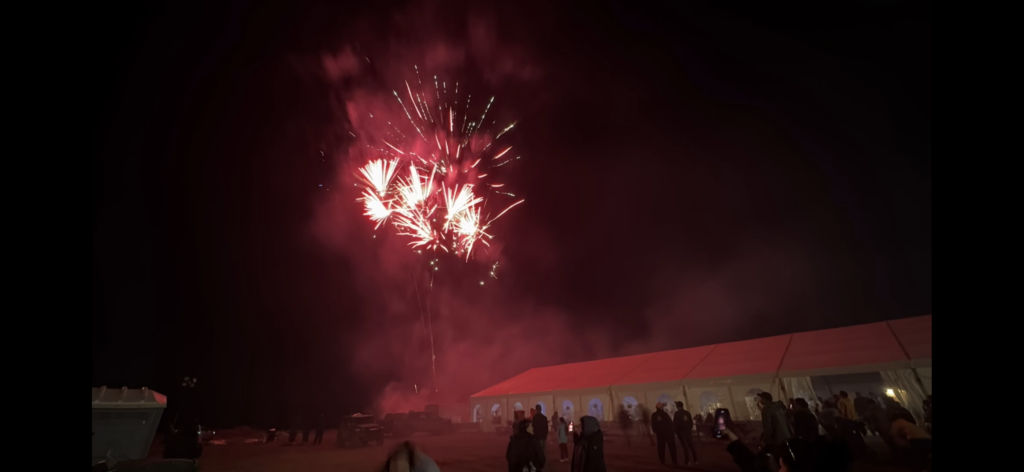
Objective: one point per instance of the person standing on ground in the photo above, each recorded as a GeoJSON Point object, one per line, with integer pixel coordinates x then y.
{"type": "Point", "coordinates": [661, 423]}
{"type": "Point", "coordinates": [294, 430]}
{"type": "Point", "coordinates": [846, 407]}
{"type": "Point", "coordinates": [699, 424]}
{"type": "Point", "coordinates": [305, 430]}
{"type": "Point", "coordinates": [540, 428]}
{"type": "Point", "coordinates": [588, 447]}
{"type": "Point", "coordinates": [683, 423]}
{"type": "Point", "coordinates": [321, 424]}
{"type": "Point", "coordinates": [563, 440]}
{"type": "Point", "coordinates": [524, 453]}
{"type": "Point", "coordinates": [805, 425]}
{"type": "Point", "coordinates": [625, 422]}
{"type": "Point", "coordinates": [860, 404]}
{"type": "Point", "coordinates": [645, 423]}
{"type": "Point", "coordinates": [554, 426]}
{"type": "Point", "coordinates": [875, 416]}
{"type": "Point", "coordinates": [773, 422]}
{"type": "Point", "coordinates": [828, 416]}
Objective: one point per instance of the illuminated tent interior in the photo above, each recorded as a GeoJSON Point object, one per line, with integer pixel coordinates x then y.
{"type": "Point", "coordinates": [727, 375]}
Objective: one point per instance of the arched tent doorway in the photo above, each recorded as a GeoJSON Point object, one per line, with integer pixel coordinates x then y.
{"type": "Point", "coordinates": [478, 414]}
{"type": "Point", "coordinates": [709, 401]}
{"type": "Point", "coordinates": [670, 405]}
{"type": "Point", "coordinates": [496, 414]}
{"type": "Point", "coordinates": [568, 410]}
{"type": "Point", "coordinates": [596, 408]}
{"type": "Point", "coordinates": [518, 411]}
{"type": "Point", "coordinates": [632, 407]}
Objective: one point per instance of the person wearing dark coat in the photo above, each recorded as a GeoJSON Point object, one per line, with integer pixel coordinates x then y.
{"type": "Point", "coordinates": [699, 424]}
{"type": "Point", "coordinates": [662, 426]}
{"type": "Point", "coordinates": [540, 428]}
{"type": "Point", "coordinates": [588, 447]}
{"type": "Point", "coordinates": [524, 451]}
{"type": "Point", "coordinates": [625, 422]}
{"type": "Point", "coordinates": [645, 423]}
{"type": "Point", "coordinates": [305, 430]}
{"type": "Point", "coordinates": [805, 425]}
{"type": "Point", "coordinates": [294, 430]}
{"type": "Point", "coordinates": [321, 423]}
{"type": "Point", "coordinates": [683, 424]}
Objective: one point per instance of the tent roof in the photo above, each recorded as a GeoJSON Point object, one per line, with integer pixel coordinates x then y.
{"type": "Point", "coordinates": [915, 335]}
{"type": "Point", "coordinates": [666, 366]}
{"type": "Point", "coordinates": [755, 356]}
{"type": "Point", "coordinates": [830, 349]}
{"type": "Point", "coordinates": [809, 353]}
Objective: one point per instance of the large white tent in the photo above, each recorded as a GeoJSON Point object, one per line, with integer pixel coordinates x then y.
{"type": "Point", "coordinates": [721, 375]}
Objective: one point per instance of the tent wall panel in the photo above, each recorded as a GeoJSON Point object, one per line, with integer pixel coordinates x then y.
{"type": "Point", "coordinates": [620, 397]}
{"type": "Point", "coordinates": [799, 387]}
{"type": "Point", "coordinates": [598, 405]}
{"type": "Point", "coordinates": [668, 396]}
{"type": "Point", "coordinates": [523, 402]}
{"type": "Point", "coordinates": [925, 373]}
{"type": "Point", "coordinates": [743, 395]}
{"type": "Point", "coordinates": [707, 398]}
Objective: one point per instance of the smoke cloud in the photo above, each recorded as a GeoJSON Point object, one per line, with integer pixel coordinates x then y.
{"type": "Point", "coordinates": [486, 333]}
{"type": "Point", "coordinates": [482, 331]}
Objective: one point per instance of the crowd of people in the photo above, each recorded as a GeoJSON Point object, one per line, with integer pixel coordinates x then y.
{"type": "Point", "coordinates": [305, 426]}
{"type": "Point", "coordinates": [842, 423]}
{"type": "Point", "coordinates": [794, 438]}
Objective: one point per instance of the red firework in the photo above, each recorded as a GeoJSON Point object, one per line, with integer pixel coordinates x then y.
{"type": "Point", "coordinates": [434, 182]}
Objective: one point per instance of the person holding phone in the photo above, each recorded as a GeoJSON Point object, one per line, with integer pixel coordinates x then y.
{"type": "Point", "coordinates": [588, 447]}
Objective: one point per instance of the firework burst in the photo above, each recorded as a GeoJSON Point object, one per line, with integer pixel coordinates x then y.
{"type": "Point", "coordinates": [435, 181]}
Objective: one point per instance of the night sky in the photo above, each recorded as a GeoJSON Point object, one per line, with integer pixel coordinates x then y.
{"type": "Point", "coordinates": [692, 175]}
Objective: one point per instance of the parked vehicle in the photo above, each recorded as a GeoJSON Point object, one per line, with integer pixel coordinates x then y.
{"type": "Point", "coordinates": [407, 424]}
{"type": "Point", "coordinates": [360, 430]}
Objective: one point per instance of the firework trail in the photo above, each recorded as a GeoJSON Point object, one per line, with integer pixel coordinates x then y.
{"type": "Point", "coordinates": [434, 180]}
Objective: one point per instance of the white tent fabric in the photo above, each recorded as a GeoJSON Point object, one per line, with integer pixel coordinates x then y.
{"type": "Point", "coordinates": [925, 373]}
{"type": "Point", "coordinates": [908, 391]}
{"type": "Point", "coordinates": [800, 387]}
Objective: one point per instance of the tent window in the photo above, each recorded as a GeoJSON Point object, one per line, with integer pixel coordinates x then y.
{"type": "Point", "coordinates": [751, 399]}
{"type": "Point", "coordinates": [670, 406]}
{"type": "Point", "coordinates": [596, 408]}
{"type": "Point", "coordinates": [709, 401]}
{"type": "Point", "coordinates": [632, 408]}
{"type": "Point", "coordinates": [568, 410]}
{"type": "Point", "coordinates": [496, 414]}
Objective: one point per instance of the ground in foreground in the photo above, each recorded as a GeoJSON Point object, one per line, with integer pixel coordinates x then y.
{"type": "Point", "coordinates": [469, 452]}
